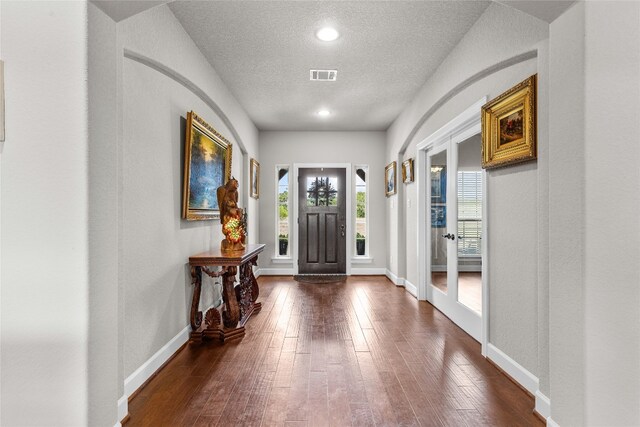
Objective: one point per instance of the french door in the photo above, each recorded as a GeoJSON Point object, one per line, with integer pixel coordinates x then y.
{"type": "Point", "coordinates": [454, 200]}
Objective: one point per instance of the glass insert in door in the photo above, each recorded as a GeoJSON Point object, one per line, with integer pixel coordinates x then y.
{"type": "Point", "coordinates": [469, 236]}
{"type": "Point", "coordinates": [322, 191]}
{"type": "Point", "coordinates": [438, 180]}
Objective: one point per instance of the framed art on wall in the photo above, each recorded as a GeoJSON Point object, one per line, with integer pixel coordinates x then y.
{"type": "Point", "coordinates": [390, 179]}
{"type": "Point", "coordinates": [254, 180]}
{"type": "Point", "coordinates": [407, 171]}
{"type": "Point", "coordinates": [207, 166]}
{"type": "Point", "coordinates": [509, 126]}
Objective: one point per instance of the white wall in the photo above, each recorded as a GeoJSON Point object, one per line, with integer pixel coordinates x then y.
{"type": "Point", "coordinates": [612, 158]}
{"type": "Point", "coordinates": [566, 216]}
{"type": "Point", "coordinates": [357, 148]}
{"type": "Point", "coordinates": [104, 387]}
{"type": "Point", "coordinates": [45, 274]}
{"type": "Point", "coordinates": [169, 80]}
{"type": "Point", "coordinates": [594, 273]}
{"type": "Point", "coordinates": [480, 65]}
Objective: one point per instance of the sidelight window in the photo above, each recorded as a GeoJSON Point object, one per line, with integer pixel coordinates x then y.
{"type": "Point", "coordinates": [283, 223]}
{"type": "Point", "coordinates": [361, 211]}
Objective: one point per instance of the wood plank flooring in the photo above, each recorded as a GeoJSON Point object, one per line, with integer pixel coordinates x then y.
{"type": "Point", "coordinates": [359, 353]}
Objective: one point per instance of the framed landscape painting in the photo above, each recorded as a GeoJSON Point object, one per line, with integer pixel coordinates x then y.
{"type": "Point", "coordinates": [407, 171]}
{"type": "Point", "coordinates": [207, 166]}
{"type": "Point", "coordinates": [390, 179]}
{"type": "Point", "coordinates": [254, 179]}
{"type": "Point", "coordinates": [509, 126]}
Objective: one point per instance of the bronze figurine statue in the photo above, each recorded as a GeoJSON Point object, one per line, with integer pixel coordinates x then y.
{"type": "Point", "coordinates": [231, 217]}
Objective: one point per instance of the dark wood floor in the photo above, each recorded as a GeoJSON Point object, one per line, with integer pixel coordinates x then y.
{"type": "Point", "coordinates": [360, 353]}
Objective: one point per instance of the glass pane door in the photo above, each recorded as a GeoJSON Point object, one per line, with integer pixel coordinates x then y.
{"type": "Point", "coordinates": [469, 223]}
{"type": "Point", "coordinates": [454, 196]}
{"type": "Point", "coordinates": [438, 203]}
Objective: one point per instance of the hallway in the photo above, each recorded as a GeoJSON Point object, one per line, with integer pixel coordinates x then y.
{"type": "Point", "coordinates": [359, 353]}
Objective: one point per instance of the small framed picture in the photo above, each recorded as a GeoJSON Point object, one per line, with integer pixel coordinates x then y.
{"type": "Point", "coordinates": [407, 171]}
{"type": "Point", "coordinates": [390, 179]}
{"type": "Point", "coordinates": [254, 179]}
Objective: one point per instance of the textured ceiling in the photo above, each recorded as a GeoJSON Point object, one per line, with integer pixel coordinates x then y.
{"type": "Point", "coordinates": [263, 51]}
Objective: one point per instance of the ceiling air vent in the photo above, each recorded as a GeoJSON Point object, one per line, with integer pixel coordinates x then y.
{"type": "Point", "coordinates": [323, 75]}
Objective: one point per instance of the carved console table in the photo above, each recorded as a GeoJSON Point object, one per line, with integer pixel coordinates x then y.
{"type": "Point", "coordinates": [239, 302]}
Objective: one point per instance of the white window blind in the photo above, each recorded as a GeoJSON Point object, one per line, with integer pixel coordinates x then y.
{"type": "Point", "coordinates": [469, 212]}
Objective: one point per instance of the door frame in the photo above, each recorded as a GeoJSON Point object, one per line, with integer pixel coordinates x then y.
{"type": "Point", "coordinates": [348, 210]}
{"type": "Point", "coordinates": [465, 125]}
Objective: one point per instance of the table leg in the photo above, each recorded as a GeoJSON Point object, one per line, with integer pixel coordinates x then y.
{"type": "Point", "coordinates": [231, 314]}
{"type": "Point", "coordinates": [196, 315]}
{"type": "Point", "coordinates": [255, 291]}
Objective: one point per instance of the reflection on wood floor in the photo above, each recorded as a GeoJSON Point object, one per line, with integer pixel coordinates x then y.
{"type": "Point", "coordinates": [359, 353]}
{"type": "Point", "coordinates": [469, 288]}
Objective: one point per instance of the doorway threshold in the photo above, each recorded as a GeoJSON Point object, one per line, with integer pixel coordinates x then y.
{"type": "Point", "coordinates": [320, 278]}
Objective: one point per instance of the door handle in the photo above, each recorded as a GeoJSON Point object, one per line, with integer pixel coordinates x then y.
{"type": "Point", "coordinates": [449, 236]}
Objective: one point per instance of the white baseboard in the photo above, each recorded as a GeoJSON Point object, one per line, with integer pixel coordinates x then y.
{"type": "Point", "coordinates": [368, 271]}
{"type": "Point", "coordinates": [256, 273]}
{"type": "Point", "coordinates": [276, 271]}
{"type": "Point", "coordinates": [148, 368]}
{"type": "Point", "coordinates": [411, 288]}
{"type": "Point", "coordinates": [543, 405]}
{"type": "Point", "coordinates": [123, 409]}
{"type": "Point", "coordinates": [398, 281]}
{"type": "Point", "coordinates": [551, 423]}
{"type": "Point", "coordinates": [525, 378]}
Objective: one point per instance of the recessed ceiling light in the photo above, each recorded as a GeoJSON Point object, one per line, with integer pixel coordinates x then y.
{"type": "Point", "coordinates": [324, 113]}
{"type": "Point", "coordinates": [327, 34]}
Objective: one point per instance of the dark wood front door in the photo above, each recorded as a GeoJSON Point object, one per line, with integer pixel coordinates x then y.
{"type": "Point", "coordinates": [322, 222]}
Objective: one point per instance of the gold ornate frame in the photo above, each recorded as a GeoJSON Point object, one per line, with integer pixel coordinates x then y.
{"type": "Point", "coordinates": [407, 171]}
{"type": "Point", "coordinates": [254, 179]}
{"type": "Point", "coordinates": [196, 125]}
{"type": "Point", "coordinates": [517, 105]}
{"type": "Point", "coordinates": [390, 191]}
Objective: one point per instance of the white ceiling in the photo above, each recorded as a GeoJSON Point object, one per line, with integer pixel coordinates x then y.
{"type": "Point", "coordinates": [263, 51]}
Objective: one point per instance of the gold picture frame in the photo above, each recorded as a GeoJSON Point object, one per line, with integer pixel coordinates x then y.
{"type": "Point", "coordinates": [509, 126]}
{"type": "Point", "coordinates": [207, 166]}
{"type": "Point", "coordinates": [407, 171]}
{"type": "Point", "coordinates": [254, 179]}
{"type": "Point", "coordinates": [390, 179]}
